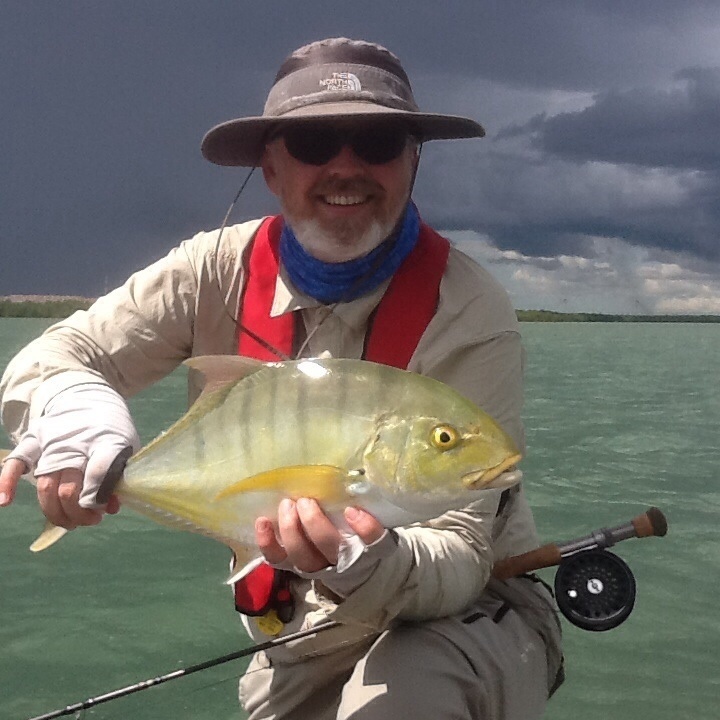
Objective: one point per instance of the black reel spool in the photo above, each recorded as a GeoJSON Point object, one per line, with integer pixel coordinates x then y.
{"type": "Point", "coordinates": [595, 590]}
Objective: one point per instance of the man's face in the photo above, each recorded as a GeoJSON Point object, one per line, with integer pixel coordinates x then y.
{"type": "Point", "coordinates": [343, 208]}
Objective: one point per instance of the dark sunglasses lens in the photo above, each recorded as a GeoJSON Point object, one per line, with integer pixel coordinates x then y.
{"type": "Point", "coordinates": [317, 145]}
{"type": "Point", "coordinates": [312, 145]}
{"type": "Point", "coordinates": [379, 145]}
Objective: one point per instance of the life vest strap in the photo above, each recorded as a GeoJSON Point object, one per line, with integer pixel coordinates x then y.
{"type": "Point", "coordinates": [394, 331]}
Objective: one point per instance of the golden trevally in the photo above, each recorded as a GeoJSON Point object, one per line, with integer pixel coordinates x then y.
{"type": "Point", "coordinates": [345, 432]}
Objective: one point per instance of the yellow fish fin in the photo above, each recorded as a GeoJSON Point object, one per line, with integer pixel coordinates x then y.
{"type": "Point", "coordinates": [49, 536]}
{"type": "Point", "coordinates": [325, 483]}
{"type": "Point", "coordinates": [246, 559]}
{"type": "Point", "coordinates": [220, 370]}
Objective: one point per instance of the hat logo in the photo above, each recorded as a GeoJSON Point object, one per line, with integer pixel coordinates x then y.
{"type": "Point", "coordinates": [342, 82]}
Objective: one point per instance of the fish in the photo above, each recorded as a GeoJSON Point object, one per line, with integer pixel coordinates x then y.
{"type": "Point", "coordinates": [403, 446]}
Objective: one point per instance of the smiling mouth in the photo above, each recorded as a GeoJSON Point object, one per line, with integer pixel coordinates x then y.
{"type": "Point", "coordinates": [501, 476]}
{"type": "Point", "coordinates": [345, 200]}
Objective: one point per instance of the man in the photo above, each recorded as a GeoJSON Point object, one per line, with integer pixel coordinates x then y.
{"type": "Point", "coordinates": [348, 269]}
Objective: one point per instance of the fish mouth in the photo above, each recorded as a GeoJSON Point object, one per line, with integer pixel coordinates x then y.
{"type": "Point", "coordinates": [502, 475]}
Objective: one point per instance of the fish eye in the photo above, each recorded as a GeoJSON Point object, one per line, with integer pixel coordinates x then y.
{"type": "Point", "coordinates": [444, 437]}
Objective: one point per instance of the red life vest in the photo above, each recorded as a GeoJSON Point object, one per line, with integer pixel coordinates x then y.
{"type": "Point", "coordinates": [394, 331]}
{"type": "Point", "coordinates": [395, 327]}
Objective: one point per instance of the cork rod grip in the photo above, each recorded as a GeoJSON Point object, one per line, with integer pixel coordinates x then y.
{"type": "Point", "coordinates": [542, 557]}
{"type": "Point", "coordinates": [650, 523]}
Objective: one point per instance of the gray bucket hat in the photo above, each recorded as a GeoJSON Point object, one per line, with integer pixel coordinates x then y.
{"type": "Point", "coordinates": [332, 79]}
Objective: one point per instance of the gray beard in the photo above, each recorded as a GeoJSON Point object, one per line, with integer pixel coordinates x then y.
{"type": "Point", "coordinates": [330, 248]}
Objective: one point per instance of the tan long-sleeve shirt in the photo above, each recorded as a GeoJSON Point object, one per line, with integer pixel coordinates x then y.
{"type": "Point", "coordinates": [186, 303]}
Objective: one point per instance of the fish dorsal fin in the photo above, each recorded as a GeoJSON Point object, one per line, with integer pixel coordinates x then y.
{"type": "Point", "coordinates": [220, 370]}
{"type": "Point", "coordinates": [325, 483]}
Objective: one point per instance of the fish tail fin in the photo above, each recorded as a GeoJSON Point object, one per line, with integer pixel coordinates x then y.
{"type": "Point", "coordinates": [49, 536]}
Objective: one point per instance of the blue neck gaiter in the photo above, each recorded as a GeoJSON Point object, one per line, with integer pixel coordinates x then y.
{"type": "Point", "coordinates": [346, 281]}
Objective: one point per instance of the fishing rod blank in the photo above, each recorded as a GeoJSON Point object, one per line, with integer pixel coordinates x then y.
{"type": "Point", "coordinates": [182, 672]}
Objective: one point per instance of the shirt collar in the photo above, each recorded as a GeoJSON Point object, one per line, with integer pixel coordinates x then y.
{"type": "Point", "coordinates": [354, 314]}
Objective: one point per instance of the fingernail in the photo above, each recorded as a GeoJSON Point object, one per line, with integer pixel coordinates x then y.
{"type": "Point", "coordinates": [286, 505]}
{"type": "Point", "coordinates": [4, 499]}
{"type": "Point", "coordinates": [262, 525]}
{"type": "Point", "coordinates": [353, 513]}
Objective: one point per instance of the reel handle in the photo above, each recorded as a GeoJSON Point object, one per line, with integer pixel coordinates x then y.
{"type": "Point", "coordinates": [648, 524]}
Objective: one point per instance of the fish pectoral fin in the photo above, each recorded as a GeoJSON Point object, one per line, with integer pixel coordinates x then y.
{"type": "Point", "coordinates": [49, 536]}
{"type": "Point", "coordinates": [246, 560]}
{"type": "Point", "coordinates": [220, 370]}
{"type": "Point", "coordinates": [325, 483]}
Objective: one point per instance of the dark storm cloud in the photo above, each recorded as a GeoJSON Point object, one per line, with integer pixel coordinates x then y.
{"type": "Point", "coordinates": [677, 127]}
{"type": "Point", "coordinates": [675, 130]}
{"type": "Point", "coordinates": [552, 206]}
{"type": "Point", "coordinates": [104, 105]}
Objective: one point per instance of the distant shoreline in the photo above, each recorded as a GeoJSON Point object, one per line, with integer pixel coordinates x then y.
{"type": "Point", "coordinates": [60, 306]}
{"type": "Point", "coordinates": [42, 306]}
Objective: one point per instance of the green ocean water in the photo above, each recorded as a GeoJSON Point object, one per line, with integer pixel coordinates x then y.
{"type": "Point", "coordinates": [619, 417]}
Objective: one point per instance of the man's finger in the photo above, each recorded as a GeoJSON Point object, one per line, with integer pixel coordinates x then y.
{"type": "Point", "coordinates": [300, 550]}
{"type": "Point", "coordinates": [319, 529]}
{"type": "Point", "coordinates": [367, 528]}
{"type": "Point", "coordinates": [47, 493]}
{"type": "Point", "coordinates": [69, 489]}
{"type": "Point", "coordinates": [267, 541]}
{"type": "Point", "coordinates": [58, 494]}
{"type": "Point", "coordinates": [12, 470]}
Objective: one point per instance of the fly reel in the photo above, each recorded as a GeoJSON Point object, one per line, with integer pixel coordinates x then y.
{"type": "Point", "coordinates": [595, 589]}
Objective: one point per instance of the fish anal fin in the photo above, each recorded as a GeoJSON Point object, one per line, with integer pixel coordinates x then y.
{"type": "Point", "coordinates": [245, 561]}
{"type": "Point", "coordinates": [325, 483]}
{"type": "Point", "coordinates": [49, 536]}
{"type": "Point", "coordinates": [218, 371]}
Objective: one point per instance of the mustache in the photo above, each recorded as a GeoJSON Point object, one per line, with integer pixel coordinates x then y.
{"type": "Point", "coordinates": [348, 186]}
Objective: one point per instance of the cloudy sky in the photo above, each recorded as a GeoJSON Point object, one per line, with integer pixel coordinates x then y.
{"type": "Point", "coordinates": [596, 189]}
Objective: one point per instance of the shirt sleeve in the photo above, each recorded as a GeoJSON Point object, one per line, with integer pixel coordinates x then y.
{"type": "Point", "coordinates": [184, 304]}
{"type": "Point", "coordinates": [127, 339]}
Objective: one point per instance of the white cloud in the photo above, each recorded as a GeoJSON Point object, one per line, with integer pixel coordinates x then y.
{"type": "Point", "coordinates": [617, 278]}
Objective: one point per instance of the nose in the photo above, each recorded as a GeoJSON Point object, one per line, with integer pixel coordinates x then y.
{"type": "Point", "coordinates": [346, 162]}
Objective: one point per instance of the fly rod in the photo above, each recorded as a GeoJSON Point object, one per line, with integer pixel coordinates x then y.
{"type": "Point", "coordinates": [650, 523]}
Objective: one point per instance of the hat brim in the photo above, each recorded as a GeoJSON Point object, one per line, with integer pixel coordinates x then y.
{"type": "Point", "coordinates": [241, 142]}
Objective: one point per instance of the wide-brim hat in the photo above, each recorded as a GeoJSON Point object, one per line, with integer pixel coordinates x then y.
{"type": "Point", "coordinates": [331, 80]}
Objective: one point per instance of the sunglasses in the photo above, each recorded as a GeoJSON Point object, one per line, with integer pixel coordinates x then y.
{"type": "Point", "coordinates": [317, 144]}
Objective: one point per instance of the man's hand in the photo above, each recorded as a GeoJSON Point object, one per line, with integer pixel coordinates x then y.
{"type": "Point", "coordinates": [70, 449]}
{"type": "Point", "coordinates": [58, 495]}
{"type": "Point", "coordinates": [307, 538]}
